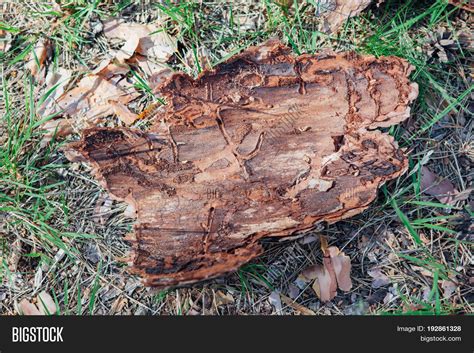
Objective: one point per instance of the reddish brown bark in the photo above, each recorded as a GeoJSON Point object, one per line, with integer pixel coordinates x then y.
{"type": "Point", "coordinates": [464, 4]}
{"type": "Point", "coordinates": [267, 144]}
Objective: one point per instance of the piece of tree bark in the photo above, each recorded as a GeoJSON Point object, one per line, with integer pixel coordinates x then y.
{"type": "Point", "coordinates": [464, 4]}
{"type": "Point", "coordinates": [266, 144]}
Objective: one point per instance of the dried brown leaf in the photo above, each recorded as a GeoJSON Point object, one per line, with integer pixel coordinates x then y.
{"type": "Point", "coordinates": [4, 41]}
{"type": "Point", "coordinates": [325, 284]}
{"type": "Point", "coordinates": [38, 56]}
{"type": "Point", "coordinates": [379, 278]}
{"type": "Point", "coordinates": [449, 288]}
{"type": "Point", "coordinates": [95, 97]}
{"type": "Point", "coordinates": [27, 308]}
{"type": "Point", "coordinates": [145, 40]}
{"type": "Point", "coordinates": [118, 305]}
{"type": "Point", "coordinates": [342, 268]}
{"type": "Point", "coordinates": [123, 113]}
{"type": "Point", "coordinates": [46, 304]}
{"type": "Point", "coordinates": [57, 128]}
{"type": "Point", "coordinates": [223, 299]}
{"type": "Point", "coordinates": [310, 273]}
{"type": "Point", "coordinates": [298, 307]}
{"type": "Point", "coordinates": [344, 10]}
{"type": "Point", "coordinates": [56, 83]}
{"type": "Point", "coordinates": [442, 189]}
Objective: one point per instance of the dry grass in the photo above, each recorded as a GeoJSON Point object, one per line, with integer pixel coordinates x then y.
{"type": "Point", "coordinates": [54, 241]}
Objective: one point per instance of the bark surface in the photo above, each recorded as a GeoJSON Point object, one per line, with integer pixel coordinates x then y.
{"type": "Point", "coordinates": [266, 144]}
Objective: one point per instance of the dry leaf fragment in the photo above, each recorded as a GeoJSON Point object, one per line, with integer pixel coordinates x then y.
{"type": "Point", "coordinates": [442, 189]}
{"type": "Point", "coordinates": [104, 92]}
{"type": "Point", "coordinates": [379, 278]}
{"type": "Point", "coordinates": [102, 209]}
{"type": "Point", "coordinates": [38, 56]}
{"type": "Point", "coordinates": [56, 83]}
{"type": "Point", "coordinates": [123, 113]}
{"type": "Point", "coordinates": [223, 299]}
{"type": "Point", "coordinates": [275, 301]}
{"type": "Point", "coordinates": [325, 284]}
{"type": "Point", "coordinates": [293, 291]}
{"type": "Point", "coordinates": [344, 9]}
{"type": "Point", "coordinates": [309, 273]}
{"type": "Point", "coordinates": [107, 69]}
{"type": "Point", "coordinates": [147, 46]}
{"type": "Point", "coordinates": [118, 305]}
{"type": "Point", "coordinates": [27, 308]}
{"type": "Point", "coordinates": [298, 307]}
{"type": "Point", "coordinates": [15, 255]}
{"type": "Point", "coordinates": [4, 40]}
{"type": "Point", "coordinates": [449, 287]}
{"type": "Point", "coordinates": [334, 273]}
{"type": "Point", "coordinates": [45, 305]}
{"type": "Point", "coordinates": [342, 268]}
{"type": "Point", "coordinates": [91, 99]}
{"type": "Point", "coordinates": [56, 128]}
{"type": "Point", "coordinates": [148, 40]}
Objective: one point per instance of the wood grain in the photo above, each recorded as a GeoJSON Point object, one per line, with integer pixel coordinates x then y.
{"type": "Point", "coordinates": [266, 144]}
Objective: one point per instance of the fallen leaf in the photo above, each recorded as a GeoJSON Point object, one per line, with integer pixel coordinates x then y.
{"type": "Point", "coordinates": [107, 69]}
{"type": "Point", "coordinates": [298, 307]}
{"type": "Point", "coordinates": [56, 128]}
{"type": "Point", "coordinates": [334, 273]}
{"type": "Point", "coordinates": [38, 56]}
{"type": "Point", "coordinates": [425, 272]}
{"type": "Point", "coordinates": [344, 10]}
{"type": "Point", "coordinates": [223, 299]}
{"type": "Point", "coordinates": [91, 99]}
{"type": "Point", "coordinates": [15, 255]}
{"type": "Point", "coordinates": [449, 287]}
{"type": "Point", "coordinates": [156, 72]}
{"type": "Point", "coordinates": [309, 273]}
{"type": "Point", "coordinates": [104, 92]}
{"type": "Point", "coordinates": [307, 239]}
{"type": "Point", "coordinates": [442, 189]}
{"type": "Point", "coordinates": [147, 46]}
{"type": "Point", "coordinates": [4, 41]}
{"type": "Point", "coordinates": [275, 301]}
{"type": "Point", "coordinates": [56, 83]}
{"type": "Point", "coordinates": [46, 304]}
{"type": "Point", "coordinates": [91, 252]}
{"type": "Point", "coordinates": [325, 284]}
{"type": "Point", "coordinates": [27, 308]}
{"type": "Point", "coordinates": [379, 278]}
{"type": "Point", "coordinates": [123, 113]}
{"type": "Point", "coordinates": [342, 268]}
{"type": "Point", "coordinates": [293, 291]}
{"type": "Point", "coordinates": [118, 305]}
{"type": "Point", "coordinates": [388, 298]}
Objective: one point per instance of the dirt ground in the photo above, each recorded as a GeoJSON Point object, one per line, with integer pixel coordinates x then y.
{"type": "Point", "coordinates": [411, 252]}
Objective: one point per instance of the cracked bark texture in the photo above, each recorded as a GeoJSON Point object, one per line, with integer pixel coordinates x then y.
{"type": "Point", "coordinates": [266, 144]}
